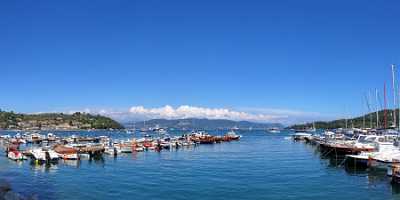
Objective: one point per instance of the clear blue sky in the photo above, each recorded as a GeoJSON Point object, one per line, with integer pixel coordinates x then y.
{"type": "Point", "coordinates": [314, 56]}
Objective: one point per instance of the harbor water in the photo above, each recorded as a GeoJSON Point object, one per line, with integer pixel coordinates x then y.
{"type": "Point", "coordinates": [259, 166]}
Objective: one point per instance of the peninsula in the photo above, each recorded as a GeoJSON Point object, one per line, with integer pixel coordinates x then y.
{"type": "Point", "coordinates": [56, 121]}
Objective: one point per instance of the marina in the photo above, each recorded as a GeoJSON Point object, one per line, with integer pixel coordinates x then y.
{"type": "Point", "coordinates": [42, 150]}
{"type": "Point", "coordinates": [359, 149]}
{"type": "Point", "coordinates": [200, 100]}
{"type": "Point", "coordinates": [263, 161]}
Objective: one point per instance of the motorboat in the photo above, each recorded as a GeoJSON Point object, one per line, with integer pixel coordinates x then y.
{"type": "Point", "coordinates": [66, 153]}
{"type": "Point", "coordinates": [124, 147]}
{"type": "Point", "coordinates": [34, 138]}
{"type": "Point", "coordinates": [51, 137]}
{"type": "Point", "coordinates": [110, 150]}
{"type": "Point", "coordinates": [299, 136]}
{"type": "Point", "coordinates": [383, 155]}
{"type": "Point", "coordinates": [14, 154]}
{"type": "Point", "coordinates": [232, 135]}
{"type": "Point", "coordinates": [42, 154]}
{"type": "Point", "coordinates": [342, 146]}
{"type": "Point", "coordinates": [274, 130]}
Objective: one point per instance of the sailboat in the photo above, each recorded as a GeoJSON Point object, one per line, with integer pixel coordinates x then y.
{"type": "Point", "coordinates": [312, 129]}
{"type": "Point", "coordinates": [143, 130]}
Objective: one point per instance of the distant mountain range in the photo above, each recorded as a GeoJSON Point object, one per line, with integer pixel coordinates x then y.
{"type": "Point", "coordinates": [205, 124]}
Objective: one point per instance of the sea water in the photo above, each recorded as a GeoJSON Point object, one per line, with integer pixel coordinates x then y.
{"type": "Point", "coordinates": [259, 166]}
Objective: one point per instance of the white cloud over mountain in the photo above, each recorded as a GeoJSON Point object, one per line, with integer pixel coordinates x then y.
{"type": "Point", "coordinates": [186, 111]}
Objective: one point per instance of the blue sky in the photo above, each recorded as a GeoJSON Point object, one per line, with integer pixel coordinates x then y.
{"type": "Point", "coordinates": [254, 56]}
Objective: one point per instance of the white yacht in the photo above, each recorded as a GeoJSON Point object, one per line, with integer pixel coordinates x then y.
{"type": "Point", "coordinates": [384, 154]}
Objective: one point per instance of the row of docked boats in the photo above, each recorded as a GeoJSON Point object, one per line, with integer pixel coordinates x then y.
{"type": "Point", "coordinates": [42, 154]}
{"type": "Point", "coordinates": [361, 148]}
{"type": "Point", "coordinates": [33, 138]}
{"type": "Point", "coordinates": [76, 147]}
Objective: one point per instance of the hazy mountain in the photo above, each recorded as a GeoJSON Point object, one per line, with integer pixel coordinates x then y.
{"type": "Point", "coordinates": [194, 123]}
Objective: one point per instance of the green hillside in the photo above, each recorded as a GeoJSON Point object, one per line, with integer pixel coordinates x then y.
{"type": "Point", "coordinates": [365, 121]}
{"type": "Point", "coordinates": [55, 121]}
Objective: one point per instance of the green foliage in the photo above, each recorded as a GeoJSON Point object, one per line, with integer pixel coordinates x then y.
{"type": "Point", "coordinates": [365, 121]}
{"type": "Point", "coordinates": [11, 120]}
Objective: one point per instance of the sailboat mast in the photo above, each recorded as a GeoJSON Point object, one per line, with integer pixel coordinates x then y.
{"type": "Point", "coordinates": [345, 119]}
{"type": "Point", "coordinates": [368, 98]}
{"type": "Point", "coordinates": [377, 108]}
{"type": "Point", "coordinates": [385, 102]}
{"type": "Point", "coordinates": [394, 96]}
{"type": "Point", "coordinates": [398, 104]}
{"type": "Point", "coordinates": [363, 119]}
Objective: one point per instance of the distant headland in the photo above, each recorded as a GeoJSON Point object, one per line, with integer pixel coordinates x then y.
{"type": "Point", "coordinates": [56, 121]}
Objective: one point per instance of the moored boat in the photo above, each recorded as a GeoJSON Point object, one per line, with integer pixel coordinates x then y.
{"type": "Point", "coordinates": [44, 155]}
{"type": "Point", "coordinates": [66, 153]}
{"type": "Point", "coordinates": [14, 154]}
{"type": "Point", "coordinates": [301, 136]}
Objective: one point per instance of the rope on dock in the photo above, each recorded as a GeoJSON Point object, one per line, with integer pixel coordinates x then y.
{"type": "Point", "coordinates": [327, 153]}
{"type": "Point", "coordinates": [342, 163]}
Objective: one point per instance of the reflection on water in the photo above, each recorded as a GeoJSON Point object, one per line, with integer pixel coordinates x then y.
{"type": "Point", "coordinates": [71, 163]}
{"type": "Point", "coordinates": [99, 161]}
{"type": "Point", "coordinates": [49, 167]}
{"type": "Point", "coordinates": [395, 189]}
{"type": "Point", "coordinates": [46, 167]}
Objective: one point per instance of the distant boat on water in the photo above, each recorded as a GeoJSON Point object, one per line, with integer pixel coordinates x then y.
{"type": "Point", "coordinates": [143, 130]}
{"type": "Point", "coordinates": [273, 130]}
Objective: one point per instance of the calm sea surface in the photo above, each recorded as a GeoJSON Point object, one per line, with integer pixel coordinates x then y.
{"type": "Point", "coordinates": [259, 166]}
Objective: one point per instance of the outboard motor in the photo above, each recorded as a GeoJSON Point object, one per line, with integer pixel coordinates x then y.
{"type": "Point", "coordinates": [48, 158]}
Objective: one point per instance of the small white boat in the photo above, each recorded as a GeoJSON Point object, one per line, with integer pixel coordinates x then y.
{"type": "Point", "coordinates": [232, 135]}
{"type": "Point", "coordinates": [301, 136]}
{"type": "Point", "coordinates": [139, 149]}
{"type": "Point", "coordinates": [15, 155]}
{"type": "Point", "coordinates": [5, 136]}
{"type": "Point", "coordinates": [110, 150]}
{"type": "Point", "coordinates": [124, 147]}
{"type": "Point", "coordinates": [34, 138]}
{"type": "Point", "coordinates": [51, 137]}
{"type": "Point", "coordinates": [274, 130]}
{"type": "Point", "coordinates": [44, 155]}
